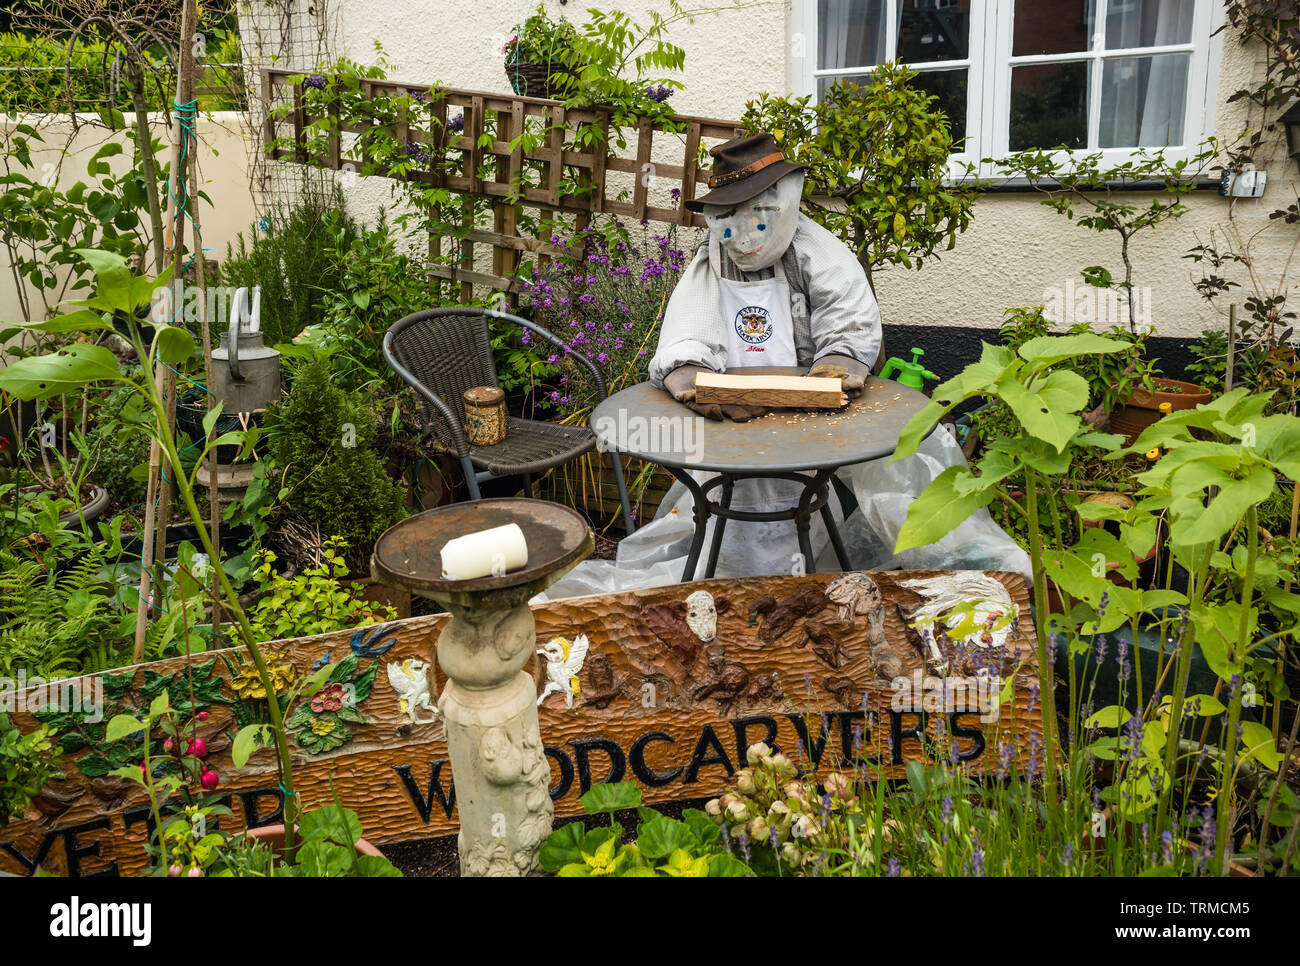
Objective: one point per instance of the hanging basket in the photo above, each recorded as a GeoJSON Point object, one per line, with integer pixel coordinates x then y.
{"type": "Point", "coordinates": [534, 80]}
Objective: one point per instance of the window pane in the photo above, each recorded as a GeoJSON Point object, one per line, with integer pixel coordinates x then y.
{"type": "Point", "coordinates": [1148, 23]}
{"type": "Point", "coordinates": [1143, 100]}
{"type": "Point", "coordinates": [851, 33]}
{"type": "Point", "coordinates": [1061, 27]}
{"type": "Point", "coordinates": [931, 30]}
{"type": "Point", "coordinates": [947, 86]}
{"type": "Point", "coordinates": [949, 90]}
{"type": "Point", "coordinates": [1049, 106]}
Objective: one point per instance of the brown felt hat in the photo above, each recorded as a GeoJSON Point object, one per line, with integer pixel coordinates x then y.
{"type": "Point", "coordinates": [743, 168]}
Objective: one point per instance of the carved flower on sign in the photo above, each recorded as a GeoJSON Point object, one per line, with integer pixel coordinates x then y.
{"type": "Point", "coordinates": [331, 698]}
{"type": "Point", "coordinates": [320, 723]}
{"type": "Point", "coordinates": [247, 684]}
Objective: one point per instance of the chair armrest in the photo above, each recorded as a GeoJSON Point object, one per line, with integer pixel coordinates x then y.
{"type": "Point", "coordinates": [454, 428]}
{"type": "Point", "coordinates": [556, 341]}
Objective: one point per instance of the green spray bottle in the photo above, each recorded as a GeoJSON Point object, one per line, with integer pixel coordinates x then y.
{"type": "Point", "coordinates": [911, 374]}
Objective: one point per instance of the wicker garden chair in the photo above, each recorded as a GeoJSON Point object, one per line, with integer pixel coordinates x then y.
{"type": "Point", "coordinates": [444, 352]}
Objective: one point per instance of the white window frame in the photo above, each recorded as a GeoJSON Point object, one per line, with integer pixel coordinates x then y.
{"type": "Point", "coordinates": [988, 91]}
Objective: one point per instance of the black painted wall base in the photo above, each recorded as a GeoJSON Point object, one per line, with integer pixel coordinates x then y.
{"type": "Point", "coordinates": [950, 348]}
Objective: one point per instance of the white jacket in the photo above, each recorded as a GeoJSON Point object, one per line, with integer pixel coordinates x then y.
{"type": "Point", "coordinates": [832, 306]}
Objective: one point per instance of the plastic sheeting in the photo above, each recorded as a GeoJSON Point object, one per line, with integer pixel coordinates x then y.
{"type": "Point", "coordinates": [655, 555]}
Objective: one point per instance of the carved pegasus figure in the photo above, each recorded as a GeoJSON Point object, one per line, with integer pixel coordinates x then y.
{"type": "Point", "coordinates": [410, 679]}
{"type": "Point", "coordinates": [563, 662]}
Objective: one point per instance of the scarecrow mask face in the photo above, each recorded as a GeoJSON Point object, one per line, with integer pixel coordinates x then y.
{"type": "Point", "coordinates": [702, 615]}
{"type": "Point", "coordinates": [756, 234]}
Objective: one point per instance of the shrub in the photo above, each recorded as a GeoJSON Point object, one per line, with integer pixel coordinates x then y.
{"type": "Point", "coordinates": [289, 255]}
{"type": "Point", "coordinates": [320, 441]}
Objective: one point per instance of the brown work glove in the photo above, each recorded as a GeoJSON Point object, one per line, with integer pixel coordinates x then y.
{"type": "Point", "coordinates": [680, 384]}
{"type": "Point", "coordinates": [851, 373]}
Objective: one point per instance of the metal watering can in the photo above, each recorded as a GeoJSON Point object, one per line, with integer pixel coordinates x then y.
{"type": "Point", "coordinates": [245, 371]}
{"type": "Point", "coordinates": [911, 374]}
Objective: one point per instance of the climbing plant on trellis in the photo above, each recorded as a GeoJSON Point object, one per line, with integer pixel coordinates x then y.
{"type": "Point", "coordinates": [492, 176]}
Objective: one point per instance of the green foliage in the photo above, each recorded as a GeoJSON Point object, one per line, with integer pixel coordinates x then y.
{"type": "Point", "coordinates": [1210, 470]}
{"type": "Point", "coordinates": [44, 227]}
{"type": "Point", "coordinates": [1093, 194]}
{"type": "Point", "coordinates": [540, 40]}
{"type": "Point", "coordinates": [878, 168]}
{"type": "Point", "coordinates": [316, 601]}
{"type": "Point", "coordinates": [117, 450]}
{"type": "Point", "coordinates": [319, 440]}
{"type": "Point", "coordinates": [372, 280]}
{"type": "Point", "coordinates": [44, 78]}
{"type": "Point", "coordinates": [328, 847]}
{"type": "Point", "coordinates": [662, 846]}
{"type": "Point", "coordinates": [293, 254]}
{"type": "Point", "coordinates": [27, 762]}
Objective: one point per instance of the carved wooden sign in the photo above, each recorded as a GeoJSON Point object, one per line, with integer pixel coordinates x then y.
{"type": "Point", "coordinates": [667, 687]}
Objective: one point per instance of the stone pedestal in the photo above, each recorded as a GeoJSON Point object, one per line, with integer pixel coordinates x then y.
{"type": "Point", "coordinates": [490, 708]}
{"type": "Point", "coordinates": [489, 704]}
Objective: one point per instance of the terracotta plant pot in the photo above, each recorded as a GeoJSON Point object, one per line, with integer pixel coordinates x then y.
{"type": "Point", "coordinates": [1142, 408]}
{"type": "Point", "coordinates": [273, 837]}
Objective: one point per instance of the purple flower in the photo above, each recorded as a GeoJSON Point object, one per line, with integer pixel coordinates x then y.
{"type": "Point", "coordinates": [316, 81]}
{"type": "Point", "coordinates": [892, 870]}
{"type": "Point", "coordinates": [1133, 731]}
{"type": "Point", "coordinates": [457, 124]}
{"type": "Point", "coordinates": [658, 92]}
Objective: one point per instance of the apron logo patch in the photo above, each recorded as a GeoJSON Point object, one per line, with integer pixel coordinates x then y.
{"type": "Point", "coordinates": [754, 324]}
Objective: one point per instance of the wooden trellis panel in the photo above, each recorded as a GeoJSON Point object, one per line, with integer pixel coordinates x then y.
{"type": "Point", "coordinates": [491, 169]}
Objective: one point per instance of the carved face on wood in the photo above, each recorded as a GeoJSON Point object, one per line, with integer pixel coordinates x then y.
{"type": "Point", "coordinates": [702, 615]}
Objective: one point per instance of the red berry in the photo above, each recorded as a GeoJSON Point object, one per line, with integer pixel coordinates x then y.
{"type": "Point", "coordinates": [167, 745]}
{"type": "Point", "coordinates": [203, 716]}
{"type": "Point", "coordinates": [210, 780]}
{"type": "Point", "coordinates": [198, 747]}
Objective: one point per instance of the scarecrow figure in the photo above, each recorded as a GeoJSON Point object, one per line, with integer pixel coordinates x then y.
{"type": "Point", "coordinates": [770, 288]}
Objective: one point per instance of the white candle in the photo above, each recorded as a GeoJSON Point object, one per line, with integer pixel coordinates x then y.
{"type": "Point", "coordinates": [485, 553]}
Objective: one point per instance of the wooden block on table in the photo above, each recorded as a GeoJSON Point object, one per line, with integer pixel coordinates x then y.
{"type": "Point", "coordinates": [792, 392]}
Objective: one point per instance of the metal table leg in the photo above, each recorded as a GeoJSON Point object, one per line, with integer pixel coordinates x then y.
{"type": "Point", "coordinates": [701, 514]}
{"type": "Point", "coordinates": [719, 525]}
{"type": "Point", "coordinates": [837, 541]}
{"type": "Point", "coordinates": [814, 488]}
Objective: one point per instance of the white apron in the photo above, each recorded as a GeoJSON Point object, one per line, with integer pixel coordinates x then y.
{"type": "Point", "coordinates": [760, 332]}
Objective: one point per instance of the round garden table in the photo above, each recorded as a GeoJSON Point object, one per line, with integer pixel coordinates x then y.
{"type": "Point", "coordinates": [806, 447]}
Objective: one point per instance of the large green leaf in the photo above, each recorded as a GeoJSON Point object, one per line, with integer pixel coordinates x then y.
{"type": "Point", "coordinates": [173, 344]}
{"type": "Point", "coordinates": [1048, 350]}
{"type": "Point", "coordinates": [112, 279]}
{"type": "Point", "coordinates": [976, 379]}
{"type": "Point", "coordinates": [1257, 742]}
{"type": "Point", "coordinates": [661, 836]}
{"type": "Point", "coordinates": [1049, 410]}
{"type": "Point", "coordinates": [606, 797]}
{"type": "Point", "coordinates": [68, 369]}
{"type": "Point", "coordinates": [1223, 512]}
{"type": "Point", "coordinates": [940, 509]}
{"type": "Point", "coordinates": [82, 320]}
